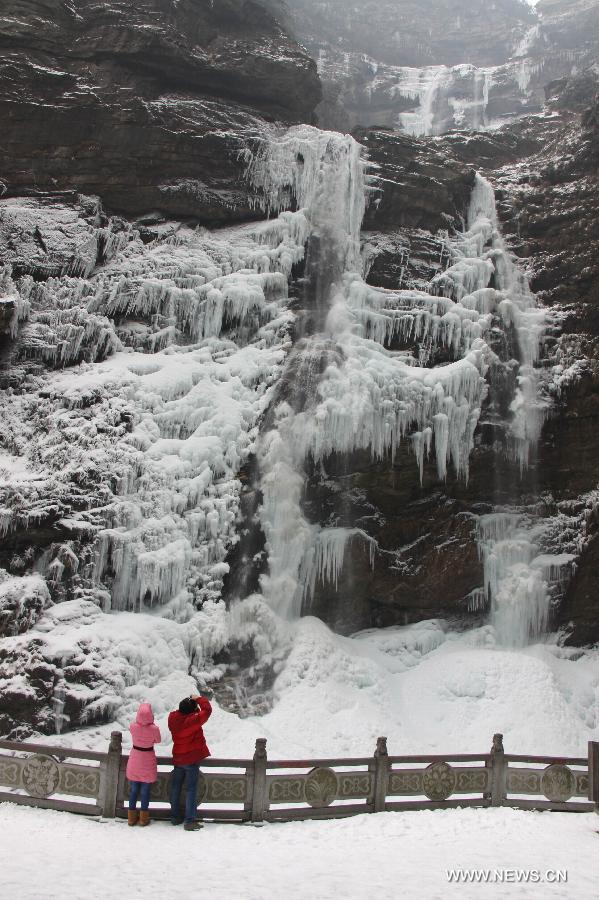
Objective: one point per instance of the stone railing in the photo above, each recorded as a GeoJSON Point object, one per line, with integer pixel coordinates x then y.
{"type": "Point", "coordinates": [261, 790]}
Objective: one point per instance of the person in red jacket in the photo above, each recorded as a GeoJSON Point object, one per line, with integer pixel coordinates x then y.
{"type": "Point", "coordinates": [189, 749]}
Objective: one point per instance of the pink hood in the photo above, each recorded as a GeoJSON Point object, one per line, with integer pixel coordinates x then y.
{"type": "Point", "coordinates": [141, 765]}
{"type": "Point", "coordinates": [145, 715]}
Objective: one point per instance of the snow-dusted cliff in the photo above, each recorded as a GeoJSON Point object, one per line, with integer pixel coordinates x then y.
{"type": "Point", "coordinates": [430, 68]}
{"type": "Point", "coordinates": [283, 371]}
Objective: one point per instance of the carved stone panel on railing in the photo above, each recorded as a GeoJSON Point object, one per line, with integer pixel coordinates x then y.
{"type": "Point", "coordinates": [524, 781]}
{"type": "Point", "coordinates": [439, 781]}
{"type": "Point", "coordinates": [226, 789]}
{"type": "Point", "coordinates": [161, 789]}
{"type": "Point", "coordinates": [321, 787]}
{"type": "Point", "coordinates": [558, 783]}
{"type": "Point", "coordinates": [408, 782]}
{"type": "Point", "coordinates": [10, 772]}
{"type": "Point", "coordinates": [355, 786]}
{"type": "Point", "coordinates": [40, 775]}
{"type": "Point", "coordinates": [439, 778]}
{"type": "Point", "coordinates": [159, 792]}
{"type": "Point", "coordinates": [211, 788]}
{"type": "Point", "coordinates": [582, 784]}
{"type": "Point", "coordinates": [472, 781]}
{"type": "Point", "coordinates": [287, 789]}
{"type": "Point", "coordinates": [81, 781]}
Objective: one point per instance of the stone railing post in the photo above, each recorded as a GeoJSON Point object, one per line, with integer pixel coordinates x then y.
{"type": "Point", "coordinates": [260, 801]}
{"type": "Point", "coordinates": [109, 782]}
{"type": "Point", "coordinates": [498, 768]}
{"type": "Point", "coordinates": [381, 775]}
{"type": "Point", "coordinates": [594, 774]}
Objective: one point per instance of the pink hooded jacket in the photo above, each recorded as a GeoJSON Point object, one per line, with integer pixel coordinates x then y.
{"type": "Point", "coordinates": [142, 763]}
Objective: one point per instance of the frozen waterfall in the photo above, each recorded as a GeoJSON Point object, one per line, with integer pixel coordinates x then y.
{"type": "Point", "coordinates": [356, 381]}
{"type": "Point", "coordinates": [517, 575]}
{"type": "Point", "coordinates": [442, 98]}
{"type": "Point", "coordinates": [518, 310]}
{"type": "Point", "coordinates": [322, 175]}
{"type": "Point", "coordinates": [206, 326]}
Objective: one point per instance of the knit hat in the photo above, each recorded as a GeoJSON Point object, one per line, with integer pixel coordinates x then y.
{"type": "Point", "coordinates": [188, 706]}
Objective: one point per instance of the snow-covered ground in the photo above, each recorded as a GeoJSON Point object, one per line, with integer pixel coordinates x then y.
{"type": "Point", "coordinates": [387, 856]}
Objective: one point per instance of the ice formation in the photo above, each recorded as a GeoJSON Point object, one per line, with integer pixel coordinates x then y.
{"type": "Point", "coordinates": [200, 401]}
{"type": "Point", "coordinates": [516, 578]}
{"type": "Point", "coordinates": [518, 310]}
{"type": "Point", "coordinates": [447, 97]}
{"type": "Point", "coordinates": [517, 575]}
{"type": "Point", "coordinates": [177, 390]}
{"type": "Point", "coordinates": [376, 390]}
{"type": "Point", "coordinates": [325, 558]}
{"type": "Point", "coordinates": [437, 99]}
{"type": "Point", "coordinates": [322, 174]}
{"type": "Point", "coordinates": [368, 396]}
{"type": "Point", "coordinates": [13, 301]}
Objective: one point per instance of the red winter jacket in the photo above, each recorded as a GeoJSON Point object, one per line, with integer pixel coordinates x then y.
{"type": "Point", "coordinates": [189, 743]}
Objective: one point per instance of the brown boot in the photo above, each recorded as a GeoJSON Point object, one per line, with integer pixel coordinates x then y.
{"type": "Point", "coordinates": [132, 817]}
{"type": "Point", "coordinates": [144, 817]}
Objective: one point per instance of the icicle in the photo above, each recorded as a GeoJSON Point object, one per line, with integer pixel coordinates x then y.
{"type": "Point", "coordinates": [324, 562]}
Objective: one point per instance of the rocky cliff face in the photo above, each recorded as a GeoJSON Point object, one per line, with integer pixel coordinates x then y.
{"type": "Point", "coordinates": [571, 22]}
{"type": "Point", "coordinates": [550, 209]}
{"type": "Point", "coordinates": [145, 104]}
{"type": "Point", "coordinates": [412, 33]}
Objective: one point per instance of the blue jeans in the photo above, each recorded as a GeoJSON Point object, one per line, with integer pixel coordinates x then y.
{"type": "Point", "coordinates": [190, 775]}
{"type": "Point", "coordinates": [137, 788]}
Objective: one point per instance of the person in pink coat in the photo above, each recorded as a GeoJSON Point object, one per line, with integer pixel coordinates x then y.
{"type": "Point", "coordinates": [142, 770]}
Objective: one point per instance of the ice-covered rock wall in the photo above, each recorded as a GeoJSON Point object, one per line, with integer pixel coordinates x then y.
{"type": "Point", "coordinates": [192, 329]}
{"type": "Point", "coordinates": [432, 100]}
{"type": "Point", "coordinates": [359, 390]}
{"type": "Point", "coordinates": [120, 476]}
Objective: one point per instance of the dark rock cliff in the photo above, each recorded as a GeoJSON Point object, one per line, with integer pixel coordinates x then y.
{"type": "Point", "coordinates": [143, 103]}
{"type": "Point", "coordinates": [551, 208]}
{"type": "Point", "coordinates": [415, 32]}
